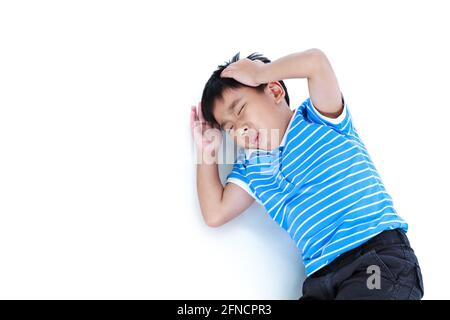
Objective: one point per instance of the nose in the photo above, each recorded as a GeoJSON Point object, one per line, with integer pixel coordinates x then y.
{"type": "Point", "coordinates": [243, 131]}
{"type": "Point", "coordinates": [246, 134]}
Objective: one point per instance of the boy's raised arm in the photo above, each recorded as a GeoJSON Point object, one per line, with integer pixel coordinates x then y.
{"type": "Point", "coordinates": [218, 204]}
{"type": "Point", "coordinates": [314, 65]}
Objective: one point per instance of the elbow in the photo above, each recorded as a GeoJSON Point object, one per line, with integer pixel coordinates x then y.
{"type": "Point", "coordinates": [213, 220]}
{"type": "Point", "coordinates": [317, 54]}
{"type": "Point", "coordinates": [319, 61]}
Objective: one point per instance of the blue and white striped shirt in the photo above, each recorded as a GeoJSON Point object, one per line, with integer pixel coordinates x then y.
{"type": "Point", "coordinates": [320, 185]}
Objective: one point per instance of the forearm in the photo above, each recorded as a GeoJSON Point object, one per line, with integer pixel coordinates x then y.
{"type": "Point", "coordinates": [209, 188]}
{"type": "Point", "coordinates": [296, 65]}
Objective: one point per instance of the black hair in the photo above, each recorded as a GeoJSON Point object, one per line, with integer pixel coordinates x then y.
{"type": "Point", "coordinates": [216, 85]}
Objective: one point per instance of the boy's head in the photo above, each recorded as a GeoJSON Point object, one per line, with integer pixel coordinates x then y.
{"type": "Point", "coordinates": [260, 115]}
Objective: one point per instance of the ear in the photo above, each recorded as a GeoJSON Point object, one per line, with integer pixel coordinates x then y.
{"type": "Point", "coordinates": [275, 89]}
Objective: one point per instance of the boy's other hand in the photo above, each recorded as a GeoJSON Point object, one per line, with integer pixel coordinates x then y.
{"type": "Point", "coordinates": [245, 71]}
{"type": "Point", "coordinates": [207, 138]}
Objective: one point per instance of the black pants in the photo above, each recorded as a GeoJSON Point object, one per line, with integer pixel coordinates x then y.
{"type": "Point", "coordinates": [385, 267]}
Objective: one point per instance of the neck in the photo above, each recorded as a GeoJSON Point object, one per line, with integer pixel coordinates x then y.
{"type": "Point", "coordinates": [287, 116]}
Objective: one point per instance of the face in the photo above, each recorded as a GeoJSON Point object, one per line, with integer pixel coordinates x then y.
{"type": "Point", "coordinates": [256, 120]}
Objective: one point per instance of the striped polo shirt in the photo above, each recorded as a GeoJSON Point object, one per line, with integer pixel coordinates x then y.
{"type": "Point", "coordinates": [320, 185]}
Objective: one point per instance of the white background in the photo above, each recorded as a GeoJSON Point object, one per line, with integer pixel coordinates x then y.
{"type": "Point", "coordinates": [97, 176]}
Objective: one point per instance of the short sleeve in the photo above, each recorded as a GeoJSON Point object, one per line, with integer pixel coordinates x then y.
{"type": "Point", "coordinates": [342, 124]}
{"type": "Point", "coordinates": [238, 177]}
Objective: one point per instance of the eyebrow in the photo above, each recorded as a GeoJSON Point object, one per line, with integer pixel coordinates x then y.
{"type": "Point", "coordinates": [231, 107]}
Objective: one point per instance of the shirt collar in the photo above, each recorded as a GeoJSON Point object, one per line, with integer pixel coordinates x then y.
{"type": "Point", "coordinates": [248, 152]}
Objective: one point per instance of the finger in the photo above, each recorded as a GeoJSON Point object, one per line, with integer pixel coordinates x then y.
{"type": "Point", "coordinates": [196, 113]}
{"type": "Point", "coordinates": [200, 113]}
{"type": "Point", "coordinates": [193, 116]}
{"type": "Point", "coordinates": [196, 132]}
{"type": "Point", "coordinates": [192, 121]}
{"type": "Point", "coordinates": [226, 73]}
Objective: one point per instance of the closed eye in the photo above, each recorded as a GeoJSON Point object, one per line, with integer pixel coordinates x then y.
{"type": "Point", "coordinates": [241, 109]}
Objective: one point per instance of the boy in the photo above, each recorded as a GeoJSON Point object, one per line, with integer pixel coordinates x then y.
{"type": "Point", "coordinates": [311, 172]}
